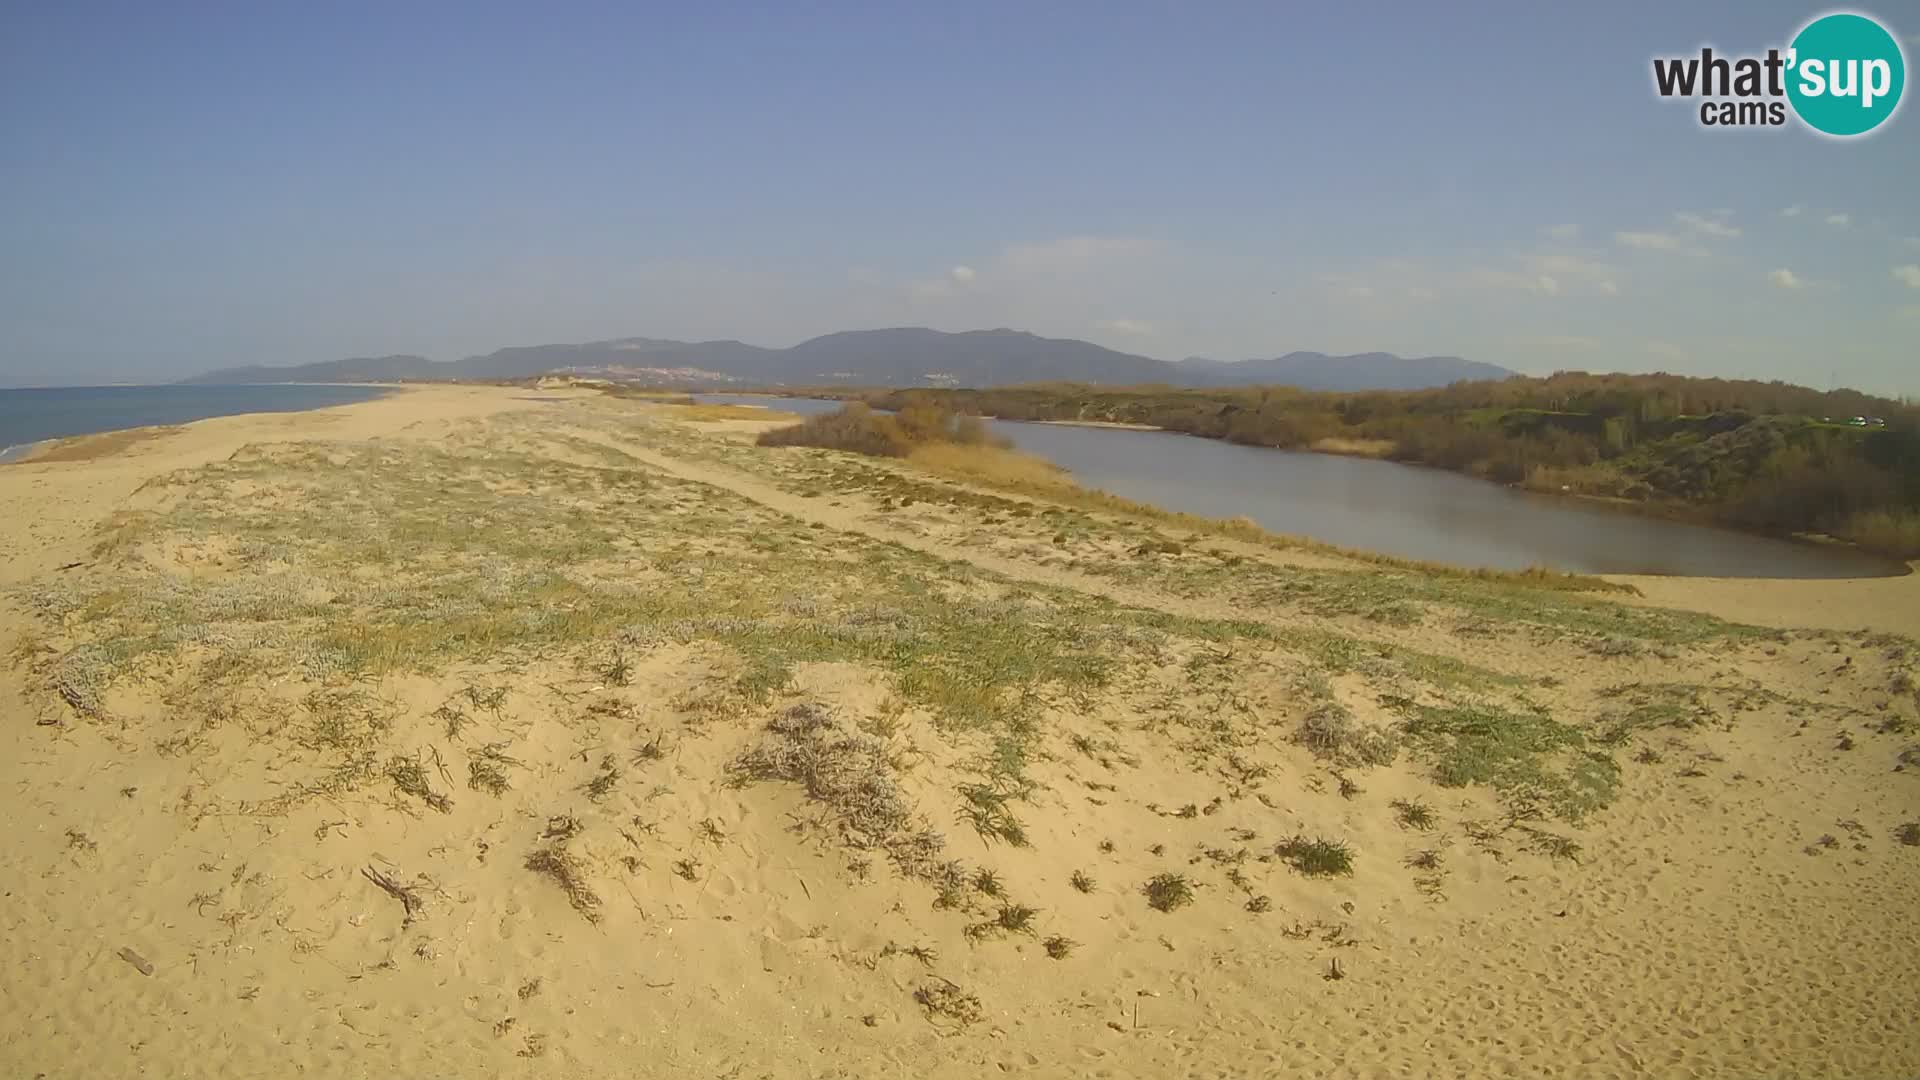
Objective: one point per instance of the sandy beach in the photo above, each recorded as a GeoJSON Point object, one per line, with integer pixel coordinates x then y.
{"type": "Point", "coordinates": [486, 732]}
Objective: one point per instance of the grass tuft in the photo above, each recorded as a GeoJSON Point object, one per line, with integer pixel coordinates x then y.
{"type": "Point", "coordinates": [1016, 918]}
{"type": "Point", "coordinates": [605, 781]}
{"type": "Point", "coordinates": [1413, 814]}
{"type": "Point", "coordinates": [1316, 858]}
{"type": "Point", "coordinates": [986, 807]}
{"type": "Point", "coordinates": [1165, 892]}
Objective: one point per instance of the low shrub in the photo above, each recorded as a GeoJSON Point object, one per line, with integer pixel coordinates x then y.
{"type": "Point", "coordinates": [858, 428]}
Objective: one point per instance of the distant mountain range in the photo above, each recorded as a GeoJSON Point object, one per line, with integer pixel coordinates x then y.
{"type": "Point", "coordinates": [908, 356]}
{"type": "Point", "coordinates": [1358, 371]}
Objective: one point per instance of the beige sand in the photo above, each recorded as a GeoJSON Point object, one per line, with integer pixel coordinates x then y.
{"type": "Point", "coordinates": [190, 873]}
{"type": "Point", "coordinates": [1891, 604]}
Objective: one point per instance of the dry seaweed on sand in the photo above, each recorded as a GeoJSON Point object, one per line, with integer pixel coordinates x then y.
{"type": "Point", "coordinates": [944, 999]}
{"type": "Point", "coordinates": [567, 870]}
{"type": "Point", "coordinates": [487, 769]}
{"type": "Point", "coordinates": [849, 772]}
{"type": "Point", "coordinates": [410, 777]}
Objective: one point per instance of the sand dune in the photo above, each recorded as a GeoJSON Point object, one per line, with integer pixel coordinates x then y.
{"type": "Point", "coordinates": [460, 733]}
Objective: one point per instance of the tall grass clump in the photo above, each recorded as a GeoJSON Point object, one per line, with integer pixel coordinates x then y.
{"type": "Point", "coordinates": [860, 429]}
{"type": "Point", "coordinates": [990, 464]}
{"type": "Point", "coordinates": [1890, 532]}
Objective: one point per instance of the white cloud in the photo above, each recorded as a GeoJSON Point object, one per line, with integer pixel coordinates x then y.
{"type": "Point", "coordinates": [1563, 232]}
{"type": "Point", "coordinates": [1518, 281]}
{"type": "Point", "coordinates": [1649, 241]}
{"type": "Point", "coordinates": [1657, 240]}
{"type": "Point", "coordinates": [1666, 350]}
{"type": "Point", "coordinates": [962, 274]}
{"type": "Point", "coordinates": [1708, 226]}
{"type": "Point", "coordinates": [1840, 220]}
{"type": "Point", "coordinates": [1793, 211]}
{"type": "Point", "coordinates": [1072, 253]}
{"type": "Point", "coordinates": [1786, 279]}
{"type": "Point", "coordinates": [1909, 275]}
{"type": "Point", "coordinates": [1553, 273]}
{"type": "Point", "coordinates": [1136, 327]}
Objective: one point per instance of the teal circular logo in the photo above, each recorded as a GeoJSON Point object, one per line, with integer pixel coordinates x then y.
{"type": "Point", "coordinates": [1844, 75]}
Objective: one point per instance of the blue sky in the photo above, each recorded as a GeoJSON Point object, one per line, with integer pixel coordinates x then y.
{"type": "Point", "coordinates": [186, 186]}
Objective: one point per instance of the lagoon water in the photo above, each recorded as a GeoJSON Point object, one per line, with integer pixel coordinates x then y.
{"type": "Point", "coordinates": [1403, 510]}
{"type": "Point", "coordinates": [31, 416]}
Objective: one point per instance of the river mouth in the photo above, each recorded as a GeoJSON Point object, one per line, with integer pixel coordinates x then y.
{"type": "Point", "coordinates": [1406, 511]}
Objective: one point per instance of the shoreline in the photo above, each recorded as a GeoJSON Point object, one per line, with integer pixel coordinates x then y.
{"type": "Point", "coordinates": [1892, 566]}
{"type": "Point", "coordinates": [1674, 513]}
{"type": "Point", "coordinates": [1112, 425]}
{"type": "Point", "coordinates": [1677, 513]}
{"type": "Point", "coordinates": [1379, 450]}
{"type": "Point", "coordinates": [57, 503]}
{"type": "Point", "coordinates": [38, 449]}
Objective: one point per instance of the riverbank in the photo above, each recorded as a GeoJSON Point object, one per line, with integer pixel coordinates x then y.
{"type": "Point", "coordinates": [1749, 455]}
{"type": "Point", "coordinates": [466, 732]}
{"type": "Point", "coordinates": [1350, 498]}
{"type": "Point", "coordinates": [1108, 424]}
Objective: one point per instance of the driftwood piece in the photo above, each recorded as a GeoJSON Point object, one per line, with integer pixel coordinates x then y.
{"type": "Point", "coordinates": [140, 963]}
{"type": "Point", "coordinates": [409, 899]}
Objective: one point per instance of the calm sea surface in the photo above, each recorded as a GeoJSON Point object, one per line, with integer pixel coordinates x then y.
{"type": "Point", "coordinates": [1403, 510]}
{"type": "Point", "coordinates": [31, 416]}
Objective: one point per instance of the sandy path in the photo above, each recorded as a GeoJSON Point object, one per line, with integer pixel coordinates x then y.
{"type": "Point", "coordinates": [847, 520]}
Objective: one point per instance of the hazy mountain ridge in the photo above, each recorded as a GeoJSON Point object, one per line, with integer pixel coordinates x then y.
{"type": "Point", "coordinates": [1356, 371]}
{"type": "Point", "coordinates": [357, 369]}
{"type": "Point", "coordinates": [901, 356]}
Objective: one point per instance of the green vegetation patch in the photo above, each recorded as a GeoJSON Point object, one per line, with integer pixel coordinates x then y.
{"type": "Point", "coordinates": [1529, 758]}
